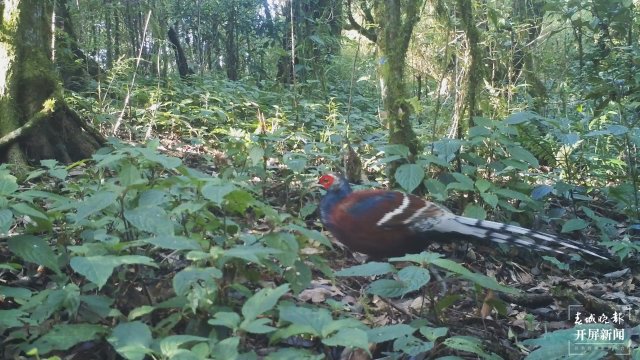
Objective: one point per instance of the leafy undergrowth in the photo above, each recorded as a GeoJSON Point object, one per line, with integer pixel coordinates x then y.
{"type": "Point", "coordinates": [207, 244]}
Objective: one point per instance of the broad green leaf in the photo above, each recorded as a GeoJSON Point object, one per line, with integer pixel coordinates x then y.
{"type": "Point", "coordinates": [64, 336]}
{"type": "Point", "coordinates": [226, 318]}
{"type": "Point", "coordinates": [153, 197]}
{"type": "Point", "coordinates": [170, 345]}
{"type": "Point", "coordinates": [35, 250]}
{"type": "Point", "coordinates": [519, 153]}
{"type": "Point", "coordinates": [183, 280]}
{"type": "Point", "coordinates": [98, 269]}
{"type": "Point", "coordinates": [129, 175]}
{"type": "Point", "coordinates": [315, 319]}
{"type": "Point", "coordinates": [371, 268]}
{"type": "Point", "coordinates": [262, 301]}
{"type": "Point", "coordinates": [414, 277]}
{"type": "Point", "coordinates": [468, 344]}
{"type": "Point", "coordinates": [293, 354]}
{"type": "Point", "coordinates": [254, 253]}
{"type": "Point", "coordinates": [217, 192]}
{"type": "Point", "coordinates": [409, 176]}
{"type": "Point", "coordinates": [541, 191]}
{"type": "Point", "coordinates": [311, 234]}
{"type": "Point", "coordinates": [257, 326]}
{"type": "Point", "coordinates": [474, 211]}
{"type": "Point", "coordinates": [95, 203]}
{"type": "Point", "coordinates": [482, 185]}
{"type": "Point", "coordinates": [131, 340]}
{"type": "Point", "coordinates": [12, 318]}
{"type": "Point", "coordinates": [350, 337]}
{"type": "Point", "coordinates": [489, 283]}
{"type": "Point", "coordinates": [140, 311]}
{"type": "Point", "coordinates": [24, 209]}
{"type": "Point", "coordinates": [6, 220]}
{"type": "Point", "coordinates": [173, 242]}
{"type": "Point", "coordinates": [411, 345]}
{"type": "Point", "coordinates": [512, 194]}
{"type": "Point", "coordinates": [422, 258]}
{"type": "Point", "coordinates": [432, 334]}
{"type": "Point", "coordinates": [491, 199]}
{"type": "Point", "coordinates": [299, 276]}
{"type": "Point", "coordinates": [256, 155]}
{"type": "Point", "coordinates": [521, 117]}
{"type": "Point", "coordinates": [436, 189]}
{"type": "Point", "coordinates": [150, 219]}
{"type": "Point", "coordinates": [389, 332]}
{"type": "Point", "coordinates": [8, 185]}
{"type": "Point", "coordinates": [227, 349]}
{"type": "Point", "coordinates": [573, 225]}
{"type": "Point", "coordinates": [387, 288]}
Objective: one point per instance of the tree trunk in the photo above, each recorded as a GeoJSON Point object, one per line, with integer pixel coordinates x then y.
{"type": "Point", "coordinates": [396, 20]}
{"type": "Point", "coordinates": [35, 122]}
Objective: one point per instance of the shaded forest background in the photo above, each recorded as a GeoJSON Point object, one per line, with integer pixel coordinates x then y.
{"type": "Point", "coordinates": [192, 232]}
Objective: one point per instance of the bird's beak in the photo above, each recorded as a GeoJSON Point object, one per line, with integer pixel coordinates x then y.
{"type": "Point", "coordinates": [316, 185]}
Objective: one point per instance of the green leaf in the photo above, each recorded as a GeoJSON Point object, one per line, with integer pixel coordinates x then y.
{"type": "Point", "coordinates": [463, 182]}
{"type": "Point", "coordinates": [482, 185]}
{"type": "Point", "coordinates": [511, 194]}
{"type": "Point", "coordinates": [387, 288]}
{"type": "Point", "coordinates": [489, 283]}
{"type": "Point", "coordinates": [411, 345]}
{"type": "Point", "coordinates": [131, 340]}
{"type": "Point", "coordinates": [24, 209]}
{"type": "Point", "coordinates": [311, 234]}
{"type": "Point", "coordinates": [491, 199]}
{"type": "Point", "coordinates": [6, 220]}
{"type": "Point", "coordinates": [313, 319]}
{"type": "Point", "coordinates": [389, 332]}
{"type": "Point", "coordinates": [262, 301]}
{"type": "Point", "coordinates": [183, 280]}
{"type": "Point", "coordinates": [256, 155]}
{"type": "Point", "coordinates": [521, 117]}
{"type": "Point", "coordinates": [12, 318]}
{"type": "Point", "coordinates": [522, 154]}
{"type": "Point", "coordinates": [409, 176]}
{"type": "Point", "coordinates": [173, 242]}
{"type": "Point", "coordinates": [468, 344]}
{"type": "Point", "coordinates": [98, 269]}
{"type": "Point", "coordinates": [414, 277]}
{"type": "Point", "coordinates": [372, 268]}
{"type": "Point", "coordinates": [436, 189]}
{"type": "Point", "coordinates": [253, 253]}
{"type": "Point", "coordinates": [8, 185]}
{"type": "Point", "coordinates": [432, 334]}
{"type": "Point", "coordinates": [35, 250]}
{"type": "Point", "coordinates": [227, 349]}
{"type": "Point", "coordinates": [64, 336]}
{"type": "Point", "coordinates": [150, 219]}
{"type": "Point", "coordinates": [422, 258]}
{"type": "Point", "coordinates": [475, 212]}
{"type": "Point", "coordinates": [217, 192]}
{"type": "Point", "coordinates": [170, 345]}
{"type": "Point", "coordinates": [226, 318]}
{"type": "Point", "coordinates": [573, 225]}
{"type": "Point", "coordinates": [95, 203]}
{"type": "Point", "coordinates": [257, 326]}
{"type": "Point", "coordinates": [351, 338]}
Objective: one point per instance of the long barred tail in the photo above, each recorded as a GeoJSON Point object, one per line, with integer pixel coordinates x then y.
{"type": "Point", "coordinates": [510, 234]}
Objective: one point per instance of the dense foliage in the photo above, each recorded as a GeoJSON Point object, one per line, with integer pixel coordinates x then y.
{"type": "Point", "coordinates": [194, 234]}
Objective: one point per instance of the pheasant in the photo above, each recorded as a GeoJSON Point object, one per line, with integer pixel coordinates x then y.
{"type": "Point", "coordinates": [383, 223]}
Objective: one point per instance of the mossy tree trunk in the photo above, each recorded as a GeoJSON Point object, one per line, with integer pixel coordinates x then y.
{"type": "Point", "coordinates": [35, 122]}
{"type": "Point", "coordinates": [395, 20]}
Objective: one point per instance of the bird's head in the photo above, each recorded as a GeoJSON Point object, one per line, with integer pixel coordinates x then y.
{"type": "Point", "coordinates": [328, 181]}
{"type": "Point", "coordinates": [334, 184]}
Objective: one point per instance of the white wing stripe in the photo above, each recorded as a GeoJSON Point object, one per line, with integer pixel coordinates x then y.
{"type": "Point", "coordinates": [397, 211]}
